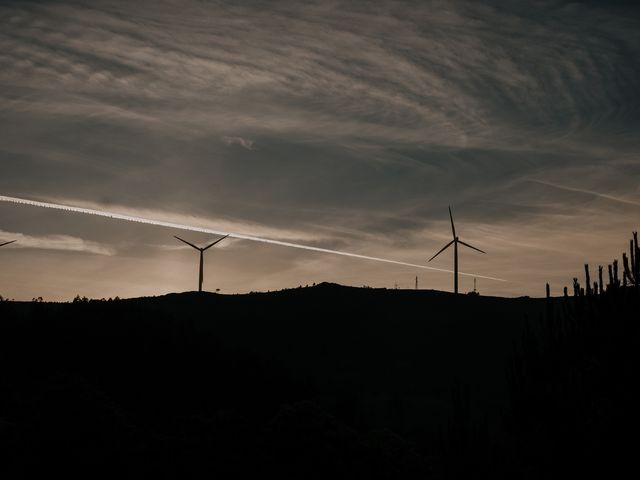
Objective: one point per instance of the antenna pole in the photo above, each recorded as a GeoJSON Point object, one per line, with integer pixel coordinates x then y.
{"type": "Point", "coordinates": [416, 282]}
{"type": "Point", "coordinates": [201, 270]}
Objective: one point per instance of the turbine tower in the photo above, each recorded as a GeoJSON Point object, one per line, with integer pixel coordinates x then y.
{"type": "Point", "coordinates": [455, 243]}
{"type": "Point", "coordinates": [6, 243]}
{"type": "Point", "coordinates": [201, 250]}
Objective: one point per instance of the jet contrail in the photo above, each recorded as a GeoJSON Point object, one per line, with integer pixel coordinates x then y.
{"type": "Point", "coordinates": [160, 223]}
{"type": "Point", "coordinates": [588, 192]}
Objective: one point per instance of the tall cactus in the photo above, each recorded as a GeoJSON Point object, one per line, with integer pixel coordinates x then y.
{"type": "Point", "coordinates": [600, 281]}
{"type": "Point", "coordinates": [636, 252]}
{"type": "Point", "coordinates": [632, 269]}
{"type": "Point", "coordinates": [611, 284]}
{"type": "Point", "coordinates": [587, 278]}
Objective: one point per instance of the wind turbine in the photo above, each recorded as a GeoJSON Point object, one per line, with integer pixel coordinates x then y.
{"type": "Point", "coordinates": [201, 250]}
{"type": "Point", "coordinates": [6, 243]}
{"type": "Point", "coordinates": [455, 243]}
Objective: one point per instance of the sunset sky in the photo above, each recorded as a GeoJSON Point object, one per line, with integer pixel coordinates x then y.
{"type": "Point", "coordinates": [342, 125]}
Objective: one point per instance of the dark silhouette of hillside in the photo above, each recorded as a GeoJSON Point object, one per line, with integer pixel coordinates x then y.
{"type": "Point", "coordinates": [320, 382]}
{"type": "Point", "coordinates": [313, 382]}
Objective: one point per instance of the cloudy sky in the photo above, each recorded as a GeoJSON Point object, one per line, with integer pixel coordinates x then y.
{"type": "Point", "coordinates": [343, 125]}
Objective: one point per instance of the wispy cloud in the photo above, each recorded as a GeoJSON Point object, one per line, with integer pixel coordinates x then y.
{"type": "Point", "coordinates": [243, 142]}
{"type": "Point", "coordinates": [388, 75]}
{"type": "Point", "coordinates": [57, 242]}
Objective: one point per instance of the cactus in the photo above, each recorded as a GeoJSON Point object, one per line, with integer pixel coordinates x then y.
{"type": "Point", "coordinates": [628, 272]}
{"type": "Point", "coordinates": [600, 281]}
{"type": "Point", "coordinates": [610, 278]}
{"type": "Point", "coordinates": [587, 281]}
{"type": "Point", "coordinates": [632, 269]}
{"type": "Point", "coordinates": [634, 250]}
{"type": "Point", "coordinates": [587, 340]}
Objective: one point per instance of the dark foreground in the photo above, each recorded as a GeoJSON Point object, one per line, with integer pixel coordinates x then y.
{"type": "Point", "coordinates": [322, 382]}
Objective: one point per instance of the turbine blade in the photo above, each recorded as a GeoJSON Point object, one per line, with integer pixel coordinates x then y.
{"type": "Point", "coordinates": [442, 249]}
{"type": "Point", "coordinates": [188, 243]}
{"type": "Point", "coordinates": [6, 243]}
{"type": "Point", "coordinates": [453, 228]}
{"type": "Point", "coordinates": [467, 245]}
{"type": "Point", "coordinates": [219, 240]}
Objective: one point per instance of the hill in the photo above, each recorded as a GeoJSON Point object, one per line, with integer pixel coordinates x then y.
{"type": "Point", "coordinates": [332, 372]}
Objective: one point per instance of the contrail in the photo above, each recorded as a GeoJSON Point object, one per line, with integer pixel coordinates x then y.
{"type": "Point", "coordinates": [160, 223]}
{"type": "Point", "coordinates": [588, 192]}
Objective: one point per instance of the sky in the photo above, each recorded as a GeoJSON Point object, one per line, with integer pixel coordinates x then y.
{"type": "Point", "coordinates": [348, 126]}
